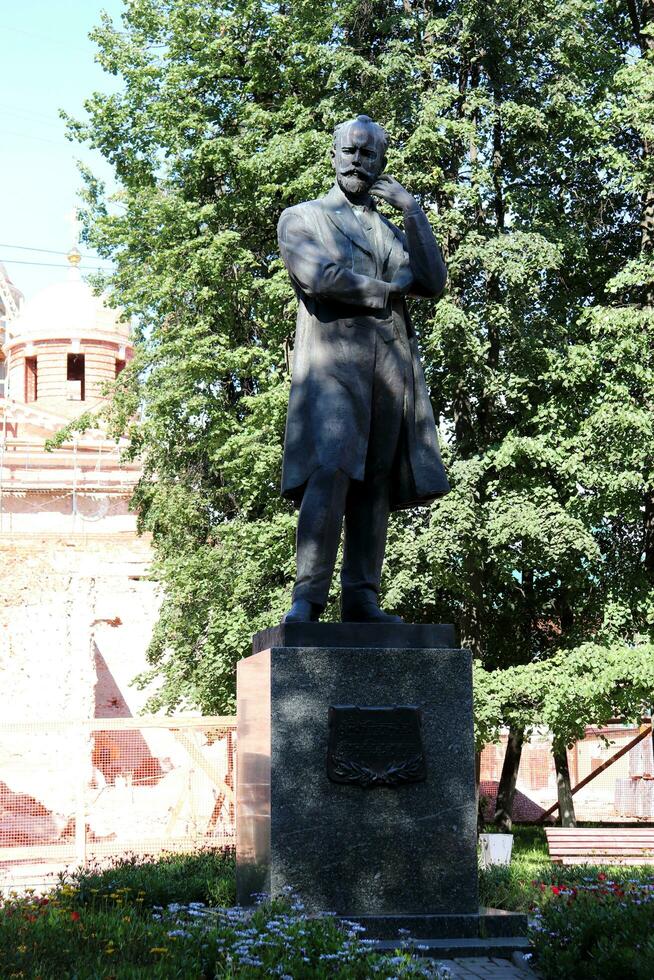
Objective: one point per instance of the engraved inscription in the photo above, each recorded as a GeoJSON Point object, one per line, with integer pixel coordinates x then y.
{"type": "Point", "coordinates": [375, 746]}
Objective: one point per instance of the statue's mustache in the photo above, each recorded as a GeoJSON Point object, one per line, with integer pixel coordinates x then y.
{"type": "Point", "coordinates": [354, 172]}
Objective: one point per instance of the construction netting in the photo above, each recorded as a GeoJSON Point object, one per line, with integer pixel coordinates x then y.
{"type": "Point", "coordinates": [72, 793]}
{"type": "Point", "coordinates": [611, 773]}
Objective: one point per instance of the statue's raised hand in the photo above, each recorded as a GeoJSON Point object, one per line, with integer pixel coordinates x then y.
{"type": "Point", "coordinates": [402, 283]}
{"type": "Point", "coordinates": [390, 190]}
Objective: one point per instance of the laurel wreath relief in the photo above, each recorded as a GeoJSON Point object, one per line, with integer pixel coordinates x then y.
{"type": "Point", "coordinates": [394, 774]}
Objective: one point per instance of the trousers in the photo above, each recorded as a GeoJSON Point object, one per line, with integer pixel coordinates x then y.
{"type": "Point", "coordinates": [331, 497]}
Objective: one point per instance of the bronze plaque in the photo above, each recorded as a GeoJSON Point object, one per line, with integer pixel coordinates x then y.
{"type": "Point", "coordinates": [375, 746]}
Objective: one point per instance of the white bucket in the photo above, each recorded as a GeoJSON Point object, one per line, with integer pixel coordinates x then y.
{"type": "Point", "coordinates": [495, 849]}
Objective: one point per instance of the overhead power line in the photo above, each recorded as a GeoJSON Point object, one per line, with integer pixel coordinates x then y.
{"type": "Point", "coordinates": [58, 42]}
{"type": "Point", "coordinates": [40, 139]}
{"type": "Point", "coordinates": [43, 118]}
{"type": "Point", "coordinates": [56, 265]}
{"type": "Point", "coordinates": [51, 251]}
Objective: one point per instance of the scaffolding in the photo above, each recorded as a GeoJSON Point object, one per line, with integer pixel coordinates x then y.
{"type": "Point", "coordinates": [83, 482]}
{"type": "Point", "coordinates": [611, 771]}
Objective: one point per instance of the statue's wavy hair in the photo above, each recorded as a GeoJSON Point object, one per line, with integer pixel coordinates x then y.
{"type": "Point", "coordinates": [380, 132]}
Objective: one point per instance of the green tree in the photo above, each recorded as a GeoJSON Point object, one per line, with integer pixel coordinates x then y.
{"type": "Point", "coordinates": [521, 129]}
{"type": "Point", "coordinates": [590, 685]}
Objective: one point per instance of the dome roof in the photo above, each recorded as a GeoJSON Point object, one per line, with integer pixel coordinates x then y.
{"type": "Point", "coordinates": [67, 309]}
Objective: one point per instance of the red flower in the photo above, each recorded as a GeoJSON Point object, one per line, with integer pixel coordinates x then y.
{"type": "Point", "coordinates": [601, 876]}
{"type": "Point", "coordinates": [75, 916]}
{"type": "Point", "coordinates": [555, 890]}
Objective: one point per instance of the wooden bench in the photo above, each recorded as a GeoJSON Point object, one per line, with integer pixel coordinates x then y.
{"type": "Point", "coordinates": [599, 845]}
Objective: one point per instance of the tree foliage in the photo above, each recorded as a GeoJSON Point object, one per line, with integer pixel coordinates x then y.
{"type": "Point", "coordinates": [590, 685]}
{"type": "Point", "coordinates": [524, 130]}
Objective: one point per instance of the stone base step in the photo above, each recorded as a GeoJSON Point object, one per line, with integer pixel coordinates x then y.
{"type": "Point", "coordinates": [486, 923]}
{"type": "Point", "coordinates": [502, 947]}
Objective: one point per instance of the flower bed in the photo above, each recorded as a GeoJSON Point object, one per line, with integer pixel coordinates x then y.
{"type": "Point", "coordinates": [599, 928]}
{"type": "Point", "coordinates": [175, 918]}
{"type": "Point", "coordinates": [104, 925]}
{"type": "Point", "coordinates": [586, 923]}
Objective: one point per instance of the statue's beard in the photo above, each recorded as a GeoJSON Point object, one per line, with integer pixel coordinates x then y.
{"type": "Point", "coordinates": [354, 183]}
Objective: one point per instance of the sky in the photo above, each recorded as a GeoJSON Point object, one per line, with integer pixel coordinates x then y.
{"type": "Point", "coordinates": [47, 64]}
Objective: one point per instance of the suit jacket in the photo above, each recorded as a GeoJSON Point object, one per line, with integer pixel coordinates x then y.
{"type": "Point", "coordinates": [341, 278]}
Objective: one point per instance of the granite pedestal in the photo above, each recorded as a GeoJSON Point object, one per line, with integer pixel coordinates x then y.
{"type": "Point", "coordinates": [390, 856]}
{"type": "Point", "coordinates": [384, 850]}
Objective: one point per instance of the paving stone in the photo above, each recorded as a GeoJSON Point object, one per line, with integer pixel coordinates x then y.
{"type": "Point", "coordinates": [485, 968]}
{"type": "Point", "coordinates": [470, 962]}
{"type": "Point", "coordinates": [458, 972]}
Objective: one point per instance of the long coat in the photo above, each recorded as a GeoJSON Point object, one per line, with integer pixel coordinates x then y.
{"type": "Point", "coordinates": [341, 276]}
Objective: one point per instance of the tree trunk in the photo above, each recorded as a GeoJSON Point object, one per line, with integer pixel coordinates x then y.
{"type": "Point", "coordinates": [473, 611]}
{"type": "Point", "coordinates": [472, 635]}
{"type": "Point", "coordinates": [649, 533]}
{"type": "Point", "coordinates": [486, 408]}
{"type": "Point", "coordinates": [644, 18]}
{"type": "Point", "coordinates": [506, 788]}
{"type": "Point", "coordinates": [564, 790]}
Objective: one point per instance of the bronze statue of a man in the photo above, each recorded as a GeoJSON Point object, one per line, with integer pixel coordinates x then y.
{"type": "Point", "coordinates": [360, 434]}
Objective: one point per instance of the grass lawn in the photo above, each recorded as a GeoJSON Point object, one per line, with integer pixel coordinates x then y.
{"type": "Point", "coordinates": [175, 917]}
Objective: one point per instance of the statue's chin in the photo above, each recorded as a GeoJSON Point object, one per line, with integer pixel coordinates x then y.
{"type": "Point", "coordinates": [353, 185]}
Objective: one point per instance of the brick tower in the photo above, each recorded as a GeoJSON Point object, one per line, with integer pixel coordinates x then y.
{"type": "Point", "coordinates": [64, 346]}
{"type": "Point", "coordinates": [60, 350]}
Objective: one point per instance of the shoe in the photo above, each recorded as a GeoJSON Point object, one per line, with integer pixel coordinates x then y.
{"type": "Point", "coordinates": [364, 608]}
{"type": "Point", "coordinates": [303, 611]}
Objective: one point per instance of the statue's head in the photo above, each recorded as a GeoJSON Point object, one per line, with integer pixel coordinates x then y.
{"type": "Point", "coordinates": [359, 154]}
